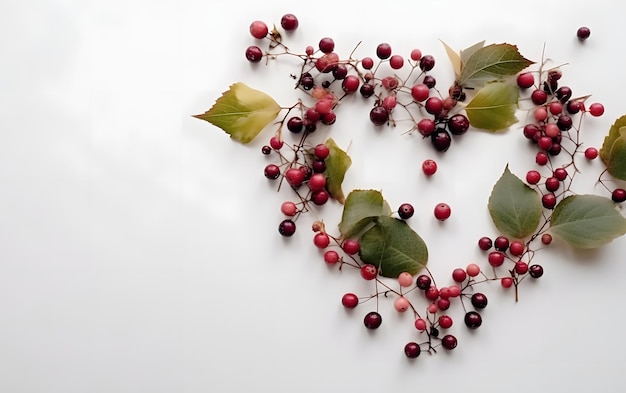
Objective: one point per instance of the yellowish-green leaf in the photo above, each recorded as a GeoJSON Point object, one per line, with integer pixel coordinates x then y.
{"type": "Point", "coordinates": [587, 221]}
{"type": "Point", "coordinates": [613, 151]}
{"type": "Point", "coordinates": [493, 108]}
{"type": "Point", "coordinates": [455, 59]}
{"type": "Point", "coordinates": [490, 63]}
{"type": "Point", "coordinates": [337, 164]}
{"type": "Point", "coordinates": [242, 112]}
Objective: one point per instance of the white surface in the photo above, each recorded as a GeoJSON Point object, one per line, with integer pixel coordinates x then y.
{"type": "Point", "coordinates": [138, 246]}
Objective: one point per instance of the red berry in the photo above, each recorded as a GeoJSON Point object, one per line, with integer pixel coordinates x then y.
{"type": "Point", "coordinates": [449, 342]}
{"type": "Point", "coordinates": [420, 92]}
{"type": "Point", "coordinates": [442, 211]}
{"type": "Point", "coordinates": [459, 275]}
{"type": "Point", "coordinates": [548, 200]}
{"type": "Point", "coordinates": [539, 97]}
{"type": "Point", "coordinates": [426, 127]}
{"type": "Point", "coordinates": [367, 62]}
{"type": "Point", "coordinates": [552, 184]}
{"type": "Point", "coordinates": [383, 51]}
{"type": "Point", "coordinates": [412, 350]}
{"type": "Point", "coordinates": [320, 197]}
{"type": "Point", "coordinates": [432, 293]}
{"type": "Point", "coordinates": [560, 173]}
{"type": "Point", "coordinates": [445, 321]}
{"type": "Point", "coordinates": [618, 195]}
{"type": "Point", "coordinates": [596, 109]}
{"type": "Point", "coordinates": [541, 158]}
{"type": "Point", "coordinates": [525, 80]}
{"type": "Point", "coordinates": [396, 62]}
{"type": "Point", "coordinates": [591, 153]}
{"type": "Point", "coordinates": [294, 177]}
{"type": "Point", "coordinates": [434, 105]}
{"type": "Point", "coordinates": [272, 171]}
{"type": "Point", "coordinates": [496, 258]}
{"type": "Point", "coordinates": [506, 282]}
{"type": "Point", "coordinates": [258, 29]}
{"type": "Point", "coordinates": [521, 267]}
{"type": "Point", "coordinates": [351, 246]}
{"type": "Point", "coordinates": [420, 324]}
{"type": "Point", "coordinates": [369, 272]}
{"type": "Point", "coordinates": [326, 45]}
{"type": "Point", "coordinates": [317, 182]}
{"type": "Point", "coordinates": [533, 177]}
{"type": "Point", "coordinates": [321, 240]}
{"type": "Point", "coordinates": [516, 248]}
{"type": "Point", "coordinates": [546, 238]}
{"type": "Point", "coordinates": [350, 300]}
{"type": "Point", "coordinates": [254, 54]}
{"type": "Point", "coordinates": [289, 22]}
{"type": "Point", "coordinates": [416, 54]}
{"type": "Point", "coordinates": [429, 167]}
{"type": "Point", "coordinates": [331, 257]}
{"type": "Point", "coordinates": [321, 151]}
{"type": "Point", "coordinates": [276, 143]}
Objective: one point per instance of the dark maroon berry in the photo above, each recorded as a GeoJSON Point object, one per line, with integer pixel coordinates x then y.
{"type": "Point", "coordinates": [548, 200]}
{"type": "Point", "coordinates": [412, 350]}
{"type": "Point", "coordinates": [367, 90]}
{"type": "Point", "coordinates": [485, 243]}
{"type": "Point", "coordinates": [479, 300]}
{"type": "Point", "coordinates": [266, 150]}
{"type": "Point", "coordinates": [535, 271]}
{"type": "Point", "coordinates": [427, 63]}
{"type": "Point", "coordinates": [618, 195]}
{"type": "Point", "coordinates": [272, 171]}
{"type": "Point", "coordinates": [379, 115]}
{"type": "Point", "coordinates": [327, 45]}
{"type": "Point", "coordinates": [383, 51]}
{"type": "Point", "coordinates": [573, 107]}
{"type": "Point", "coordinates": [530, 131]}
{"type": "Point", "coordinates": [555, 149]}
{"type": "Point", "coordinates": [441, 139]}
{"type": "Point", "coordinates": [295, 124]}
{"type": "Point", "coordinates": [254, 54]}
{"type": "Point", "coordinates": [564, 93]}
{"type": "Point", "coordinates": [340, 71]}
{"type": "Point", "coordinates": [319, 166]}
{"type": "Point", "coordinates": [289, 22]}
{"type": "Point", "coordinates": [307, 82]}
{"type": "Point", "coordinates": [423, 282]}
{"type": "Point", "coordinates": [406, 211]}
{"type": "Point", "coordinates": [539, 97]}
{"type": "Point", "coordinates": [287, 228]}
{"type": "Point", "coordinates": [583, 33]}
{"type": "Point", "coordinates": [449, 342]}
{"type": "Point", "coordinates": [458, 124]}
{"type": "Point", "coordinates": [429, 81]}
{"type": "Point", "coordinates": [564, 122]}
{"type": "Point", "coordinates": [501, 243]}
{"type": "Point", "coordinates": [473, 320]}
{"type": "Point", "coordinates": [434, 331]}
{"type": "Point", "coordinates": [372, 320]}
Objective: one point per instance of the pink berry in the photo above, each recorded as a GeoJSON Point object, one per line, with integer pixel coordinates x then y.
{"type": "Point", "coordinates": [289, 208]}
{"type": "Point", "coordinates": [546, 238]}
{"type": "Point", "coordinates": [472, 270]}
{"type": "Point", "coordinates": [556, 108]}
{"type": "Point", "coordinates": [432, 308]}
{"type": "Point", "coordinates": [596, 109]}
{"type": "Point", "coordinates": [367, 63]}
{"type": "Point", "coordinates": [350, 300]}
{"type": "Point", "coordinates": [321, 151]}
{"type": "Point", "coordinates": [420, 92]}
{"type": "Point", "coordinates": [420, 324]}
{"type": "Point", "coordinates": [459, 275]}
{"type": "Point", "coordinates": [426, 127]}
{"type": "Point", "coordinates": [416, 54]}
{"type": "Point", "coordinates": [454, 291]}
{"type": "Point", "coordinates": [405, 279]}
{"type": "Point", "coordinates": [331, 257]}
{"type": "Point", "coordinates": [442, 211]}
{"type": "Point", "coordinates": [294, 177]}
{"type": "Point", "coordinates": [317, 182]}
{"type": "Point", "coordinates": [429, 167]}
{"type": "Point", "coordinates": [401, 304]}
{"type": "Point", "coordinates": [321, 240]}
{"type": "Point", "coordinates": [369, 272]}
{"type": "Point", "coordinates": [540, 114]}
{"type": "Point", "coordinates": [351, 246]}
{"type": "Point", "coordinates": [350, 84]}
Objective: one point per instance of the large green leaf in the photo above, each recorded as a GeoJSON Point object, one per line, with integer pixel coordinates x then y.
{"type": "Point", "coordinates": [493, 108]}
{"type": "Point", "coordinates": [491, 63]}
{"type": "Point", "coordinates": [242, 112]}
{"type": "Point", "coordinates": [587, 221]}
{"type": "Point", "coordinates": [337, 164]}
{"type": "Point", "coordinates": [515, 208]}
{"type": "Point", "coordinates": [613, 134]}
{"type": "Point", "coordinates": [393, 247]}
{"type": "Point", "coordinates": [360, 209]}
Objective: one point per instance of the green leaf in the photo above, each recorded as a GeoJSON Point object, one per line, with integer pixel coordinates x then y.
{"type": "Point", "coordinates": [613, 151]}
{"type": "Point", "coordinates": [617, 159]}
{"type": "Point", "coordinates": [242, 112]}
{"type": "Point", "coordinates": [468, 52]}
{"type": "Point", "coordinates": [393, 247]}
{"type": "Point", "coordinates": [360, 209]}
{"type": "Point", "coordinates": [337, 164]}
{"type": "Point", "coordinates": [515, 208]}
{"type": "Point", "coordinates": [613, 134]}
{"type": "Point", "coordinates": [491, 63]}
{"type": "Point", "coordinates": [493, 108]}
{"type": "Point", "coordinates": [587, 221]}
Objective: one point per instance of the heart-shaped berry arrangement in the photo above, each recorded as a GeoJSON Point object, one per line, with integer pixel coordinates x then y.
{"type": "Point", "coordinates": [374, 240]}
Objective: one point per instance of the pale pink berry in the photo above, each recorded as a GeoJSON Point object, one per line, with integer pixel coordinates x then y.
{"type": "Point", "coordinates": [289, 208]}
{"type": "Point", "coordinates": [472, 270]}
{"type": "Point", "coordinates": [420, 324]}
{"type": "Point", "coordinates": [405, 279]}
{"type": "Point", "coordinates": [432, 308]}
{"type": "Point", "coordinates": [401, 304]}
{"type": "Point", "coordinates": [454, 291]}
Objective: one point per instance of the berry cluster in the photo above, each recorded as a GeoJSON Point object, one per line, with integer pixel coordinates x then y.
{"type": "Point", "coordinates": [327, 78]}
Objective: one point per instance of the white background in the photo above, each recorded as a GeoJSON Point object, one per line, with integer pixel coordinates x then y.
{"type": "Point", "coordinates": [138, 245]}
